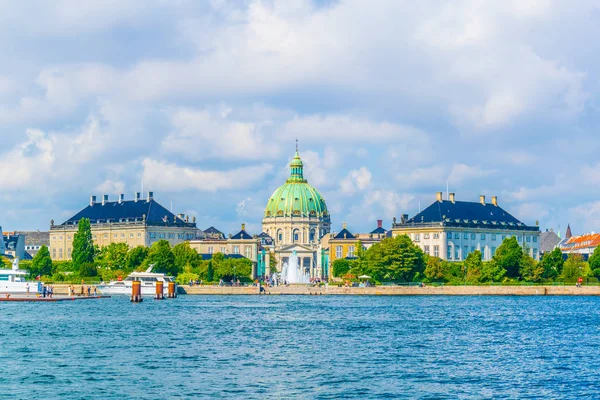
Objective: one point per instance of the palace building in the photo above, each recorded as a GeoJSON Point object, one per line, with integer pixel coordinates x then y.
{"type": "Point", "coordinates": [137, 222]}
{"type": "Point", "coordinates": [451, 229]}
{"type": "Point", "coordinates": [296, 218]}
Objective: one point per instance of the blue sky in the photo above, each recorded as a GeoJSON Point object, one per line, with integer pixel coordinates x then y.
{"type": "Point", "coordinates": [203, 100]}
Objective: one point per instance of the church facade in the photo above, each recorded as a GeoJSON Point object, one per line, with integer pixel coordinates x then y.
{"type": "Point", "coordinates": [296, 217]}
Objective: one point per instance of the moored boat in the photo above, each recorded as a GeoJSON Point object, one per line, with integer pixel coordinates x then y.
{"type": "Point", "coordinates": [14, 281]}
{"type": "Point", "coordinates": [148, 283]}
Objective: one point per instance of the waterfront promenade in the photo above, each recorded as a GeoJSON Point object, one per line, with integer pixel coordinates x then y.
{"type": "Point", "coordinates": [397, 290]}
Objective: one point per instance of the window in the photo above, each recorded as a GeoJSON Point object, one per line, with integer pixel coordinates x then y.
{"type": "Point", "coordinates": [338, 251]}
{"type": "Point", "coordinates": [519, 238]}
{"type": "Point", "coordinates": [426, 250]}
{"type": "Point", "coordinates": [210, 250]}
{"type": "Point", "coordinates": [223, 250]}
{"type": "Point", "coordinates": [436, 251]}
{"type": "Point", "coordinates": [483, 236]}
{"type": "Point", "coordinates": [161, 235]}
{"type": "Point", "coordinates": [116, 235]}
{"type": "Point", "coordinates": [105, 236]}
{"type": "Point", "coordinates": [436, 235]}
{"type": "Point", "coordinates": [473, 236]}
{"type": "Point", "coordinates": [53, 253]}
{"type": "Point", "coordinates": [180, 236]}
{"type": "Point", "coordinates": [472, 249]}
{"type": "Point", "coordinates": [426, 236]}
{"type": "Point", "coordinates": [312, 235]}
{"type": "Point", "coordinates": [535, 253]}
{"type": "Point", "coordinates": [493, 251]}
{"type": "Point", "coordinates": [494, 237]}
{"type": "Point", "coordinates": [449, 253]}
{"type": "Point", "coordinates": [60, 253]}
{"type": "Point", "coordinates": [152, 235]}
{"type": "Point", "coordinates": [535, 239]}
{"type": "Point", "coordinates": [236, 249]}
{"type": "Point", "coordinates": [466, 252]}
{"type": "Point", "coordinates": [171, 236]}
{"type": "Point", "coordinates": [139, 234]}
{"type": "Point", "coordinates": [95, 237]}
{"type": "Point", "coordinates": [456, 251]}
{"type": "Point", "coordinates": [457, 235]}
{"type": "Point", "coordinates": [528, 238]}
{"type": "Point", "coordinates": [449, 235]}
{"type": "Point", "coordinates": [503, 237]}
{"type": "Point", "coordinates": [190, 236]}
{"type": "Point", "coordinates": [248, 251]}
{"type": "Point", "coordinates": [466, 236]}
{"type": "Point", "coordinates": [417, 237]}
{"type": "Point", "coordinates": [122, 235]}
{"type": "Point", "coordinates": [69, 253]}
{"type": "Point", "coordinates": [131, 235]}
{"type": "Point", "coordinates": [350, 251]}
{"type": "Point", "coordinates": [296, 235]}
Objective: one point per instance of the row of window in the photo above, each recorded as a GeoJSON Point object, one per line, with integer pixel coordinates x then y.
{"type": "Point", "coordinates": [454, 252]}
{"type": "Point", "coordinates": [236, 250]}
{"type": "Point", "coordinates": [151, 235]}
{"type": "Point", "coordinates": [483, 236]}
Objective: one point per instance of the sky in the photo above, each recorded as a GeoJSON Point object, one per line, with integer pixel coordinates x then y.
{"type": "Point", "coordinates": [391, 101]}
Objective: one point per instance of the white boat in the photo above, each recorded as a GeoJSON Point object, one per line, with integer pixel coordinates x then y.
{"type": "Point", "coordinates": [13, 281]}
{"type": "Point", "coordinates": [148, 281]}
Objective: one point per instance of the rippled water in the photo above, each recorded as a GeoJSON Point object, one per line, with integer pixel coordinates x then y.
{"type": "Point", "coordinates": [302, 347]}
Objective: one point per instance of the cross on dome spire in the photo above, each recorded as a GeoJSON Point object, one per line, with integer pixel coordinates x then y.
{"type": "Point", "coordinates": [296, 144]}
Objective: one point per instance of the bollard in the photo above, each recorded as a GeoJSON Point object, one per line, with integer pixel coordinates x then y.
{"type": "Point", "coordinates": [136, 292]}
{"type": "Point", "coordinates": [159, 291]}
{"type": "Point", "coordinates": [172, 293]}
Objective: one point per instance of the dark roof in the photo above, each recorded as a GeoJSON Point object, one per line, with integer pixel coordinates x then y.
{"type": "Point", "coordinates": [344, 234]}
{"type": "Point", "coordinates": [265, 239]}
{"type": "Point", "coordinates": [129, 211]}
{"type": "Point", "coordinates": [379, 230]}
{"type": "Point", "coordinates": [241, 235]}
{"type": "Point", "coordinates": [214, 233]}
{"type": "Point", "coordinates": [548, 241]}
{"type": "Point", "coordinates": [466, 214]}
{"type": "Point", "coordinates": [264, 235]}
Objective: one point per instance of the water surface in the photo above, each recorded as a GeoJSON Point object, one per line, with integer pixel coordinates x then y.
{"type": "Point", "coordinates": [302, 347]}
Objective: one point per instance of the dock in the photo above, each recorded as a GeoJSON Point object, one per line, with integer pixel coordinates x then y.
{"type": "Point", "coordinates": [25, 298]}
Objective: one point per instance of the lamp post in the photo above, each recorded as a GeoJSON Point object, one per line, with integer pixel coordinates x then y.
{"type": "Point", "coordinates": [234, 274]}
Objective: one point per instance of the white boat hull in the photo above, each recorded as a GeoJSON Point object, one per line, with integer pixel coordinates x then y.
{"type": "Point", "coordinates": [18, 287]}
{"type": "Point", "coordinates": [148, 289]}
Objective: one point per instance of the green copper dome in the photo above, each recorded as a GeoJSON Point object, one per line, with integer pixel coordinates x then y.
{"type": "Point", "coordinates": [296, 198]}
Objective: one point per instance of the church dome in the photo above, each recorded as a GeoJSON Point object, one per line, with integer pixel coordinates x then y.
{"type": "Point", "coordinates": [296, 198]}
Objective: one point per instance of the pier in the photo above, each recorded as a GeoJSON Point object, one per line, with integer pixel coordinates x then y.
{"type": "Point", "coordinates": [33, 298]}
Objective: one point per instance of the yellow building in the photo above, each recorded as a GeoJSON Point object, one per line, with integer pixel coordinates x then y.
{"type": "Point", "coordinates": [137, 222]}
{"type": "Point", "coordinates": [345, 244]}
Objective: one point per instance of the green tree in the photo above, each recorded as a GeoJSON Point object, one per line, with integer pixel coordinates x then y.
{"type": "Point", "coordinates": [574, 268]}
{"type": "Point", "coordinates": [210, 272]}
{"type": "Point", "coordinates": [232, 268]}
{"type": "Point", "coordinates": [474, 267]}
{"type": "Point", "coordinates": [594, 260]}
{"type": "Point", "coordinates": [41, 263]}
{"type": "Point", "coordinates": [83, 245]}
{"type": "Point", "coordinates": [87, 270]}
{"type": "Point", "coordinates": [136, 257]}
{"type": "Point", "coordinates": [530, 270]}
{"type": "Point", "coordinates": [113, 256]}
{"type": "Point", "coordinates": [508, 257]}
{"type": "Point", "coordinates": [552, 263]}
{"type": "Point", "coordinates": [184, 255]}
{"type": "Point", "coordinates": [434, 269]}
{"type": "Point", "coordinates": [395, 258]}
{"type": "Point", "coordinates": [492, 272]}
{"type": "Point", "coordinates": [161, 258]}
{"type": "Point", "coordinates": [340, 267]}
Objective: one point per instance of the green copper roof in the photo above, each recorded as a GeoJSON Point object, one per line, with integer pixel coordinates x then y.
{"type": "Point", "coordinates": [296, 198]}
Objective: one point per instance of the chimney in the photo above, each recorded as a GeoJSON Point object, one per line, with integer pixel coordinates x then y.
{"type": "Point", "coordinates": [121, 198]}
{"type": "Point", "coordinates": [451, 197]}
{"type": "Point", "coordinates": [137, 196]}
{"type": "Point", "coordinates": [379, 223]}
{"type": "Point", "coordinates": [482, 199]}
{"type": "Point", "coordinates": [344, 225]}
{"type": "Point", "coordinates": [92, 200]}
{"type": "Point", "coordinates": [150, 196]}
{"type": "Point", "coordinates": [104, 199]}
{"type": "Point", "coordinates": [243, 227]}
{"type": "Point", "coordinates": [181, 216]}
{"type": "Point", "coordinates": [495, 200]}
{"type": "Point", "coordinates": [438, 196]}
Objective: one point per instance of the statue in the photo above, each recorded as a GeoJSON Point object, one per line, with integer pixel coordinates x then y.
{"type": "Point", "coordinates": [15, 264]}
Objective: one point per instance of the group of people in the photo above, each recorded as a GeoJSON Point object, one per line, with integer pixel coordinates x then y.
{"type": "Point", "coordinates": [47, 291]}
{"type": "Point", "coordinates": [196, 282]}
{"type": "Point", "coordinates": [232, 283]}
{"type": "Point", "coordinates": [84, 290]}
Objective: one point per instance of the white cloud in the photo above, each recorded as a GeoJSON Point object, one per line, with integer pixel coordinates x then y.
{"type": "Point", "coordinates": [170, 177]}
{"type": "Point", "coordinates": [111, 187]}
{"type": "Point", "coordinates": [27, 163]}
{"type": "Point", "coordinates": [356, 180]}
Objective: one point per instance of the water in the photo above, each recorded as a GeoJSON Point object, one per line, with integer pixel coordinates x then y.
{"type": "Point", "coordinates": [302, 347]}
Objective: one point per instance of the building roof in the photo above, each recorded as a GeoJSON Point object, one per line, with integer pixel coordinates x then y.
{"type": "Point", "coordinates": [379, 230]}
{"type": "Point", "coordinates": [213, 233]}
{"type": "Point", "coordinates": [296, 198]}
{"type": "Point", "coordinates": [128, 211]}
{"type": "Point", "coordinates": [466, 214]}
{"type": "Point", "coordinates": [344, 234]}
{"type": "Point", "coordinates": [548, 241]}
{"type": "Point", "coordinates": [589, 240]}
{"type": "Point", "coordinates": [241, 235]}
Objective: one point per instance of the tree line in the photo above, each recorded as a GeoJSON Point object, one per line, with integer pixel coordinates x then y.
{"type": "Point", "coordinates": [398, 259]}
{"type": "Point", "coordinates": [119, 260]}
